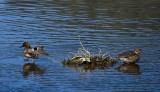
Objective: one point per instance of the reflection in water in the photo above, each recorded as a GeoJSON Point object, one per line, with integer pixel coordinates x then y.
{"type": "Point", "coordinates": [111, 25]}
{"type": "Point", "coordinates": [31, 68]}
{"type": "Point", "coordinates": [130, 68]}
{"type": "Point", "coordinates": [90, 67]}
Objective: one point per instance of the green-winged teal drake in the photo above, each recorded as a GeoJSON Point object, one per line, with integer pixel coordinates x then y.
{"type": "Point", "coordinates": [130, 56]}
{"type": "Point", "coordinates": [34, 52]}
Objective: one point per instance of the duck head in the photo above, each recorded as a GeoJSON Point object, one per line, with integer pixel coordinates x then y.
{"type": "Point", "coordinates": [26, 45]}
{"type": "Point", "coordinates": [138, 51]}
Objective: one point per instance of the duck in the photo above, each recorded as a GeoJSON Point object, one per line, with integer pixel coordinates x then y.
{"type": "Point", "coordinates": [130, 56]}
{"type": "Point", "coordinates": [33, 52]}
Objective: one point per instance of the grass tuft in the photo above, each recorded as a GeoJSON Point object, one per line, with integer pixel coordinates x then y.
{"type": "Point", "coordinates": [84, 58]}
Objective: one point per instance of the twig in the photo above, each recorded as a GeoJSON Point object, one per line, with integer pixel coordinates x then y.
{"type": "Point", "coordinates": [83, 46]}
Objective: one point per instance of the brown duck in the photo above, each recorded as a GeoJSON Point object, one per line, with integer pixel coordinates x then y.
{"type": "Point", "coordinates": [130, 56]}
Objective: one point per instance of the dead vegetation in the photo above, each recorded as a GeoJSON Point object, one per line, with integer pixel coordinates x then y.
{"type": "Point", "coordinates": [87, 60]}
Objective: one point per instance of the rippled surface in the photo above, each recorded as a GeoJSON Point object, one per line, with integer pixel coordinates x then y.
{"type": "Point", "coordinates": [113, 26]}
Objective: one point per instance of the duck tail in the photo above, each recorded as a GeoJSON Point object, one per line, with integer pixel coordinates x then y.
{"type": "Point", "coordinates": [41, 51]}
{"type": "Point", "coordinates": [44, 53]}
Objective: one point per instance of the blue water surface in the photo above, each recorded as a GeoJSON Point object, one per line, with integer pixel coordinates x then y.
{"type": "Point", "coordinates": [109, 25]}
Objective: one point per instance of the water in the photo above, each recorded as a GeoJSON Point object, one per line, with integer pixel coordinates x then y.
{"type": "Point", "coordinates": [113, 26]}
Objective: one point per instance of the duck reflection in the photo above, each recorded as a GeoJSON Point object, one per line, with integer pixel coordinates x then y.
{"type": "Point", "coordinates": [130, 68]}
{"type": "Point", "coordinates": [31, 68]}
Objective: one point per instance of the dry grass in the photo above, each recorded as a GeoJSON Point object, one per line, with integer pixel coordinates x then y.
{"type": "Point", "coordinates": [84, 58]}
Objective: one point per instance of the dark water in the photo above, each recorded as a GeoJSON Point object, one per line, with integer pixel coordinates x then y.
{"type": "Point", "coordinates": [113, 26]}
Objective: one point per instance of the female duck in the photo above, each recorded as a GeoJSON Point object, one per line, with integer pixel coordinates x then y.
{"type": "Point", "coordinates": [130, 56]}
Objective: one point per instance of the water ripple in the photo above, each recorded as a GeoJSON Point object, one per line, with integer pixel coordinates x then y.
{"type": "Point", "coordinates": [112, 26]}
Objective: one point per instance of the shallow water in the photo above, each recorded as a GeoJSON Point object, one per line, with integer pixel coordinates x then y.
{"type": "Point", "coordinates": [112, 26]}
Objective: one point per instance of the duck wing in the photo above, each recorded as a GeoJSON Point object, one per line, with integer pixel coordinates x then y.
{"type": "Point", "coordinates": [127, 54]}
{"type": "Point", "coordinates": [39, 50]}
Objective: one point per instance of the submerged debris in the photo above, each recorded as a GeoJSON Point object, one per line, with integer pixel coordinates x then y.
{"type": "Point", "coordinates": [83, 58]}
